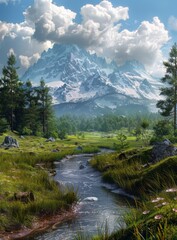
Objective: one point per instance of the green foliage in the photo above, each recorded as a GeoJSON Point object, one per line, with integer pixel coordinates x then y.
{"type": "Point", "coordinates": [4, 126]}
{"type": "Point", "coordinates": [154, 215]}
{"type": "Point", "coordinates": [26, 109]}
{"type": "Point", "coordinates": [44, 107]}
{"type": "Point", "coordinates": [20, 174]}
{"type": "Point", "coordinates": [163, 129]}
{"type": "Point", "coordinates": [168, 106]}
{"type": "Point", "coordinates": [26, 131]}
{"type": "Point", "coordinates": [123, 143]}
{"type": "Point", "coordinates": [105, 123]}
{"type": "Point", "coordinates": [10, 93]}
{"type": "Point", "coordinates": [144, 124]}
{"type": "Point", "coordinates": [62, 134]}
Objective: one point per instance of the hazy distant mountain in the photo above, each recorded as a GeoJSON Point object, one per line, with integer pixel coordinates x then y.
{"type": "Point", "coordinates": [82, 83]}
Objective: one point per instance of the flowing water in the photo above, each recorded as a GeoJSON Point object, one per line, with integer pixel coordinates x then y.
{"type": "Point", "coordinates": [100, 205]}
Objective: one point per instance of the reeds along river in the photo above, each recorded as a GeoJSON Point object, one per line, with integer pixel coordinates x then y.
{"type": "Point", "coordinates": [100, 205]}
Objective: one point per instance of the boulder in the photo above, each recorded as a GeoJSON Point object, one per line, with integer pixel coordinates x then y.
{"type": "Point", "coordinates": [81, 166]}
{"type": "Point", "coordinates": [50, 139]}
{"type": "Point", "coordinates": [162, 150]}
{"type": "Point", "coordinates": [10, 142]}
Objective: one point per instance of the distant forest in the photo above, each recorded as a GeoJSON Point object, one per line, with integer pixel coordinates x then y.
{"type": "Point", "coordinates": [106, 123]}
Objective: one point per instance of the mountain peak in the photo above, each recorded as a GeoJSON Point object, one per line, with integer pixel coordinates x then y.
{"type": "Point", "coordinates": [76, 76]}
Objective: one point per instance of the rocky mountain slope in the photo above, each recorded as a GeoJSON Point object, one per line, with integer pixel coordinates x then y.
{"type": "Point", "coordinates": [83, 83]}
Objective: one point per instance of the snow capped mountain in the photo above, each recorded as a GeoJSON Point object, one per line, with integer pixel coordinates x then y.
{"type": "Point", "coordinates": [81, 81]}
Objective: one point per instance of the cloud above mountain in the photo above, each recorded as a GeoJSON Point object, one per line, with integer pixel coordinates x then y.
{"type": "Point", "coordinates": [99, 31]}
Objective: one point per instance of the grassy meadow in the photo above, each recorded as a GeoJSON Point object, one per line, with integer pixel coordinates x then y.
{"type": "Point", "coordinates": [28, 168]}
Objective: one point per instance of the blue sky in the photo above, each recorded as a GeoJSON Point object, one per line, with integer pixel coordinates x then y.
{"type": "Point", "coordinates": [142, 29]}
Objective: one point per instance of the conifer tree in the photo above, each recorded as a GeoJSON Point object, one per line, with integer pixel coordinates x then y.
{"type": "Point", "coordinates": [168, 105]}
{"type": "Point", "coordinates": [31, 115]}
{"type": "Point", "coordinates": [10, 90]}
{"type": "Point", "coordinates": [44, 105]}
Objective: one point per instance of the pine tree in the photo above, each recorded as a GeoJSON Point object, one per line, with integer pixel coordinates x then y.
{"type": "Point", "coordinates": [31, 115]}
{"type": "Point", "coordinates": [168, 105]}
{"type": "Point", "coordinates": [44, 105]}
{"type": "Point", "coordinates": [10, 90]}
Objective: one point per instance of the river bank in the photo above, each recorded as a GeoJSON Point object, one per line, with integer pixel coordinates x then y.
{"type": "Point", "coordinates": [28, 169]}
{"type": "Point", "coordinates": [155, 185]}
{"type": "Point", "coordinates": [99, 205]}
{"type": "Point", "coordinates": [40, 225]}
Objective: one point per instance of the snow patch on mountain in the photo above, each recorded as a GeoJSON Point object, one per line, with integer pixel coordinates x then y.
{"type": "Point", "coordinates": [76, 76]}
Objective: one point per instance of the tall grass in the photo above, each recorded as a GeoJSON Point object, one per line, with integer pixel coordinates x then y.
{"type": "Point", "coordinates": [19, 173]}
{"type": "Point", "coordinates": [155, 185]}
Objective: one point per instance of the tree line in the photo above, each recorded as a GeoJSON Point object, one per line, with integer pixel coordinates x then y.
{"type": "Point", "coordinates": [28, 109]}
{"type": "Point", "coordinates": [24, 107]}
{"type": "Point", "coordinates": [68, 124]}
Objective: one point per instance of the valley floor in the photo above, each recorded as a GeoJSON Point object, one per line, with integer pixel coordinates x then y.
{"type": "Point", "coordinates": [29, 168]}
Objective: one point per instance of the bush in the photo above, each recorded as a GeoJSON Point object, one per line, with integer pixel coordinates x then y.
{"type": "Point", "coordinates": [4, 126]}
{"type": "Point", "coordinates": [62, 134]}
{"type": "Point", "coordinates": [27, 131]}
{"type": "Point", "coordinates": [163, 128]}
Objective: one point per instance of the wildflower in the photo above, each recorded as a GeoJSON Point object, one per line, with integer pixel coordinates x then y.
{"type": "Point", "coordinates": [164, 203]}
{"type": "Point", "coordinates": [174, 210]}
{"type": "Point", "coordinates": [157, 217]}
{"type": "Point", "coordinates": [157, 199]}
{"type": "Point", "coordinates": [159, 205]}
{"type": "Point", "coordinates": [171, 190]}
{"type": "Point", "coordinates": [146, 212]}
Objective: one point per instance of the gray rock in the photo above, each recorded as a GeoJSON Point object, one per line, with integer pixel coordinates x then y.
{"type": "Point", "coordinates": [55, 150]}
{"type": "Point", "coordinates": [79, 148]}
{"type": "Point", "coordinates": [167, 142]}
{"type": "Point", "coordinates": [162, 150]}
{"type": "Point", "coordinates": [50, 139]}
{"type": "Point", "coordinates": [10, 142]}
{"type": "Point", "coordinates": [81, 166]}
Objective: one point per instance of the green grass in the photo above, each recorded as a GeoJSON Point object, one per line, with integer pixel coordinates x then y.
{"type": "Point", "coordinates": [25, 169]}
{"type": "Point", "coordinates": [155, 214]}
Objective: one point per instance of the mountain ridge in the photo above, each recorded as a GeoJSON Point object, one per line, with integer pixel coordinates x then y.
{"type": "Point", "coordinates": [76, 76]}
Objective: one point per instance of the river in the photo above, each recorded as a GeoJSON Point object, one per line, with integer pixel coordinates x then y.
{"type": "Point", "coordinates": [99, 204]}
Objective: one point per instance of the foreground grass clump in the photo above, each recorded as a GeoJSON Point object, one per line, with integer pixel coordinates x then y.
{"type": "Point", "coordinates": [28, 169]}
{"type": "Point", "coordinates": [154, 187]}
{"type": "Point", "coordinates": [19, 175]}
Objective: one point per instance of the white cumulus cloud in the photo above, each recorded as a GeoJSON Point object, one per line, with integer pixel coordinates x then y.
{"type": "Point", "coordinates": [27, 61]}
{"type": "Point", "coordinates": [49, 20]}
{"type": "Point", "coordinates": [99, 31]}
